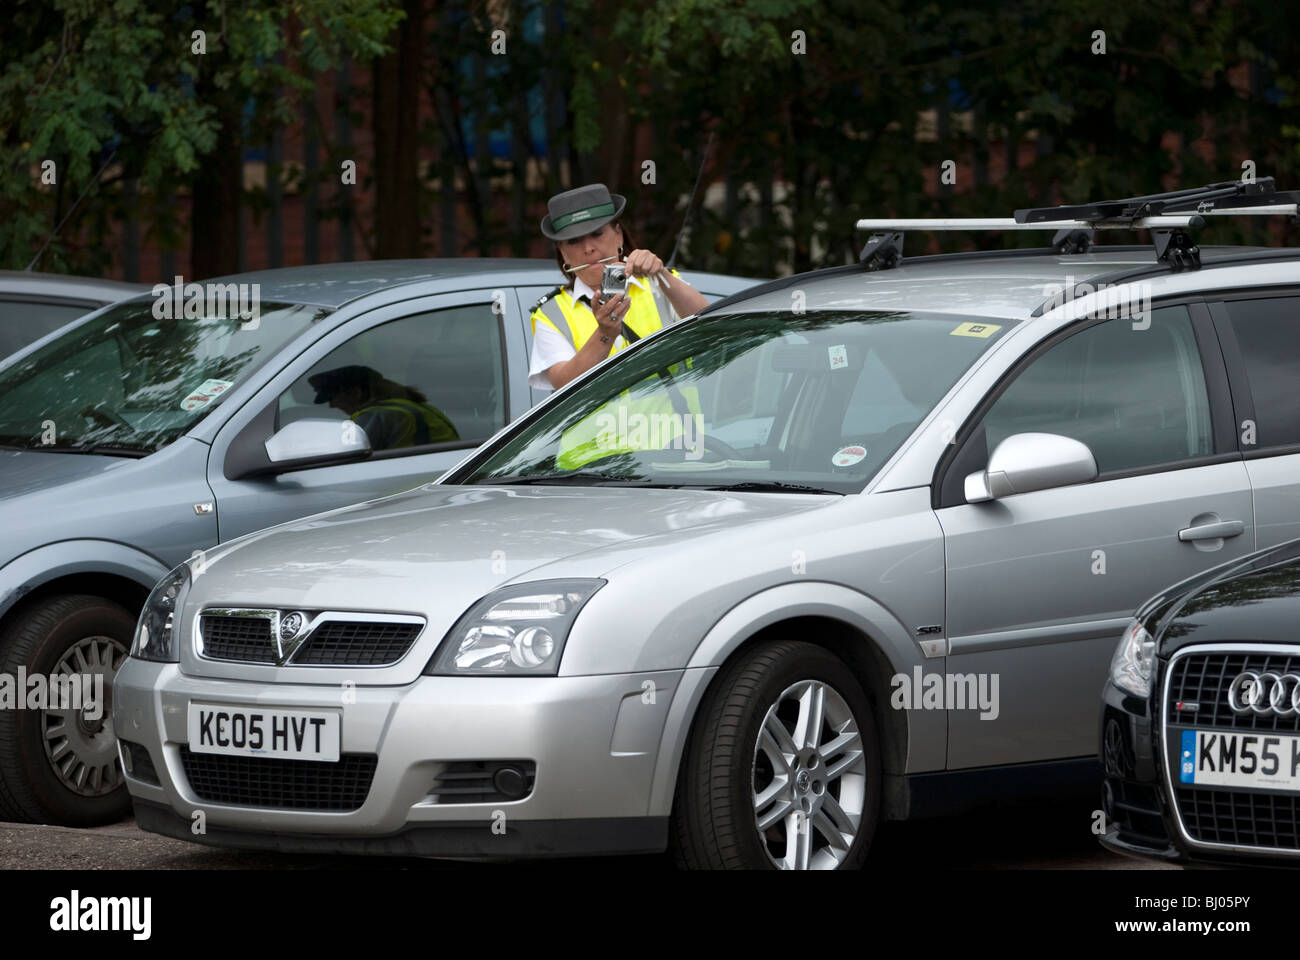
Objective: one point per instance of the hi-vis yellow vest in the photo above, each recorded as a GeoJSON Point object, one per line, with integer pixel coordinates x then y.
{"type": "Point", "coordinates": [622, 425]}
{"type": "Point", "coordinates": [420, 422]}
{"type": "Point", "coordinates": [576, 323]}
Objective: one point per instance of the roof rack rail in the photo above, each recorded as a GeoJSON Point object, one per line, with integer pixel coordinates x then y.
{"type": "Point", "coordinates": [1169, 216]}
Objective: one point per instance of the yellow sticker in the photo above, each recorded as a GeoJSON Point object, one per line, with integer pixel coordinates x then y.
{"type": "Point", "coordinates": [981, 330]}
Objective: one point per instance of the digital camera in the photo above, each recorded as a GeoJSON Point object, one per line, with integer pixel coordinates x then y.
{"type": "Point", "coordinates": [613, 280]}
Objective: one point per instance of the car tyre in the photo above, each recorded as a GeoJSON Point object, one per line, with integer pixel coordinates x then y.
{"type": "Point", "coordinates": [61, 766]}
{"type": "Point", "coordinates": [782, 767]}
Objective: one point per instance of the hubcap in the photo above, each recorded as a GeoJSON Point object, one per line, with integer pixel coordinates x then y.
{"type": "Point", "coordinates": [79, 740]}
{"type": "Point", "coordinates": [809, 779]}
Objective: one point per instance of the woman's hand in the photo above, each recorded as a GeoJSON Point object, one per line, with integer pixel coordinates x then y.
{"type": "Point", "coordinates": [643, 263]}
{"type": "Point", "coordinates": [609, 315]}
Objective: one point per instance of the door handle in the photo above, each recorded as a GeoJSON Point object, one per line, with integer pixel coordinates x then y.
{"type": "Point", "coordinates": [1212, 531]}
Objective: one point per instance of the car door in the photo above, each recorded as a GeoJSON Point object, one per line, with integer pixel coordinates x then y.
{"type": "Point", "coordinates": [441, 375]}
{"type": "Point", "coordinates": [1261, 343]}
{"type": "Point", "coordinates": [1041, 584]}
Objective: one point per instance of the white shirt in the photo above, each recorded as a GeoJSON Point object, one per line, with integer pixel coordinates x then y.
{"type": "Point", "coordinates": [551, 347]}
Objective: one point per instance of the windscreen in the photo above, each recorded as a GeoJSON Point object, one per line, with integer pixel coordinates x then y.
{"type": "Point", "coordinates": [815, 400]}
{"type": "Point", "coordinates": [126, 381]}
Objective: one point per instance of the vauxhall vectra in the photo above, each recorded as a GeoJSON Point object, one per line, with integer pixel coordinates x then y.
{"type": "Point", "coordinates": [854, 545]}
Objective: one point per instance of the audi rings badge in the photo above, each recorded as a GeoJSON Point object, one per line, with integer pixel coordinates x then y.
{"type": "Point", "coordinates": [1265, 694]}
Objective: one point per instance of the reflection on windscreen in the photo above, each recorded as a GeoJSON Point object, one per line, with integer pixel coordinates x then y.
{"type": "Point", "coordinates": [131, 382]}
{"type": "Point", "coordinates": [817, 399]}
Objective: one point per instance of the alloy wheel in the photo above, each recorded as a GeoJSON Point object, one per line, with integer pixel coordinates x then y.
{"type": "Point", "coordinates": [809, 778]}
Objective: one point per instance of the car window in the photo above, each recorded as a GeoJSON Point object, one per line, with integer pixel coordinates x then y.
{"type": "Point", "coordinates": [130, 380]}
{"type": "Point", "coordinates": [813, 398]}
{"type": "Point", "coordinates": [434, 377]}
{"type": "Point", "coordinates": [1134, 394]}
{"type": "Point", "coordinates": [22, 322]}
{"type": "Point", "coordinates": [1268, 332]}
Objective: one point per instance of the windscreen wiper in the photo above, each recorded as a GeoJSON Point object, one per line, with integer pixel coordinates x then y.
{"type": "Point", "coordinates": [577, 477]}
{"type": "Point", "coordinates": [772, 486]}
{"type": "Point", "coordinates": [106, 449]}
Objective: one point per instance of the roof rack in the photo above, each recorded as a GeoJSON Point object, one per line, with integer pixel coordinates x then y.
{"type": "Point", "coordinates": [1169, 216]}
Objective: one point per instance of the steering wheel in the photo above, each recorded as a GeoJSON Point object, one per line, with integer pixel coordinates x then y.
{"type": "Point", "coordinates": [712, 444]}
{"type": "Point", "coordinates": [718, 445]}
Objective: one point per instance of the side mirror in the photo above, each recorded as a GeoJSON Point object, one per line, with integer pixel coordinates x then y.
{"type": "Point", "coordinates": [316, 442]}
{"type": "Point", "coordinates": [1027, 462]}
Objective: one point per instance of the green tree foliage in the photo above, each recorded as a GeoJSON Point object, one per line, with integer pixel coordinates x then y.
{"type": "Point", "coordinates": [84, 81]}
{"type": "Point", "coordinates": [824, 111]}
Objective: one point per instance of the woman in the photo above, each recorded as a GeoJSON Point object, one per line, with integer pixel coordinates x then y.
{"type": "Point", "coordinates": [573, 328]}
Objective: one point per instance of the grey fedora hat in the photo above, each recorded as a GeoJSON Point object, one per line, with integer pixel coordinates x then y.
{"type": "Point", "coordinates": [579, 211]}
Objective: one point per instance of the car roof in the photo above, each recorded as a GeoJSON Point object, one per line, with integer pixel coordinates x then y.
{"type": "Point", "coordinates": [1000, 283]}
{"type": "Point", "coordinates": [65, 285]}
{"type": "Point", "coordinates": [332, 285]}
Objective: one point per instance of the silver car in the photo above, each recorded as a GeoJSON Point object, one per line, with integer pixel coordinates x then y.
{"type": "Point", "coordinates": [168, 423]}
{"type": "Point", "coordinates": [852, 546]}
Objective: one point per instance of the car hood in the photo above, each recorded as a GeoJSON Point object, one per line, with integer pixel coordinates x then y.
{"type": "Point", "coordinates": [437, 549]}
{"type": "Point", "coordinates": [1203, 591]}
{"type": "Point", "coordinates": [145, 505]}
{"type": "Point", "coordinates": [1256, 599]}
{"type": "Point", "coordinates": [29, 471]}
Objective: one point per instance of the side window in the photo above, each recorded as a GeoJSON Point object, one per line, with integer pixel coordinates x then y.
{"type": "Point", "coordinates": [1136, 397]}
{"type": "Point", "coordinates": [1268, 332]}
{"type": "Point", "coordinates": [434, 377]}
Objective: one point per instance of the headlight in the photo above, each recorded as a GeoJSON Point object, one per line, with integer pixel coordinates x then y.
{"type": "Point", "coordinates": [157, 635]}
{"type": "Point", "coordinates": [516, 631]}
{"type": "Point", "coordinates": [1134, 661]}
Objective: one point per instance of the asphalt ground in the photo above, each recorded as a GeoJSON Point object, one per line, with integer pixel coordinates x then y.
{"type": "Point", "coordinates": [1056, 836]}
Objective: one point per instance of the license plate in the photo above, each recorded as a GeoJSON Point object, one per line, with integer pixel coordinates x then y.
{"type": "Point", "coordinates": [259, 732]}
{"type": "Point", "coordinates": [1265, 760]}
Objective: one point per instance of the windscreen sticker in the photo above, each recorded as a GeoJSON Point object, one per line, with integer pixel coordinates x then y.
{"type": "Point", "coordinates": [204, 392]}
{"type": "Point", "coordinates": [848, 456]}
{"type": "Point", "coordinates": [839, 356]}
{"type": "Point", "coordinates": [981, 330]}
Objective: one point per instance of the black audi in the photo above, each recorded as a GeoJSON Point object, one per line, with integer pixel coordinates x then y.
{"type": "Point", "coordinates": [1200, 720]}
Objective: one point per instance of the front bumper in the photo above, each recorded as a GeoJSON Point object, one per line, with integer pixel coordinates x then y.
{"type": "Point", "coordinates": [1139, 817]}
{"type": "Point", "coordinates": [594, 740]}
{"type": "Point", "coordinates": [518, 839]}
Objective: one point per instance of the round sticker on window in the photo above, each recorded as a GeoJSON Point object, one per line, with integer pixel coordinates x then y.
{"type": "Point", "coordinates": [848, 456]}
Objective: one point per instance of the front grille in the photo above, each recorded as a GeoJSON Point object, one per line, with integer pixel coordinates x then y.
{"type": "Point", "coordinates": [247, 639]}
{"type": "Point", "coordinates": [1241, 818]}
{"type": "Point", "coordinates": [280, 784]}
{"type": "Point", "coordinates": [333, 643]}
{"type": "Point", "coordinates": [1204, 678]}
{"type": "Point", "coordinates": [357, 643]}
